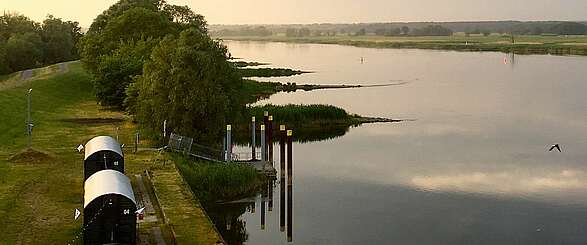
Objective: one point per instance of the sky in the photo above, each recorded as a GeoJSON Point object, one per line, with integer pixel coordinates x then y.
{"type": "Point", "coordinates": [324, 11]}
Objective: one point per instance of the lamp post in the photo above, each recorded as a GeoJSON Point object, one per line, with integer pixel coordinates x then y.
{"type": "Point", "coordinates": [29, 123]}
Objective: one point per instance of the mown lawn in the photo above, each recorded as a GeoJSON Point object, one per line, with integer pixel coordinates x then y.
{"type": "Point", "coordinates": [39, 192]}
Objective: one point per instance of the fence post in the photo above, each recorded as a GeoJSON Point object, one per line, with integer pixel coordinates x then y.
{"type": "Point", "coordinates": [263, 148]}
{"type": "Point", "coordinates": [223, 155]}
{"type": "Point", "coordinates": [189, 148]}
{"type": "Point", "coordinates": [229, 143]}
{"type": "Point", "coordinates": [253, 140]}
{"type": "Point", "coordinates": [136, 142]}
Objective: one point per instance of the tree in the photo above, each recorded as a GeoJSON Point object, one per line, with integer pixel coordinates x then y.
{"type": "Point", "coordinates": [4, 66]}
{"type": "Point", "coordinates": [569, 28]}
{"type": "Point", "coordinates": [537, 31]}
{"type": "Point", "coordinates": [60, 39]}
{"type": "Point", "coordinates": [24, 51]}
{"type": "Point", "coordinates": [405, 30]}
{"type": "Point", "coordinates": [304, 32]}
{"type": "Point", "coordinates": [116, 71]}
{"type": "Point", "coordinates": [291, 32]}
{"type": "Point", "coordinates": [126, 23]}
{"type": "Point", "coordinates": [361, 32]}
{"type": "Point", "coordinates": [188, 82]}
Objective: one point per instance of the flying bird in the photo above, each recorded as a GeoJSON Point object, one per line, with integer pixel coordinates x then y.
{"type": "Point", "coordinates": [555, 146]}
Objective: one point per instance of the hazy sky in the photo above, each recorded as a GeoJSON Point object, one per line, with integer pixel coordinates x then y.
{"type": "Point", "coordinates": [322, 11]}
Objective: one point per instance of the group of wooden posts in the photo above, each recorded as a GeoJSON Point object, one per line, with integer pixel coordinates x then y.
{"type": "Point", "coordinates": [285, 153]}
{"type": "Point", "coordinates": [266, 129]}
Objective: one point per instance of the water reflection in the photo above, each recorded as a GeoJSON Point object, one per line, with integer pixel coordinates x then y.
{"type": "Point", "coordinates": [476, 158]}
{"type": "Point", "coordinates": [303, 134]}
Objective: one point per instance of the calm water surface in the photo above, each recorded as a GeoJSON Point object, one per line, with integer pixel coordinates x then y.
{"type": "Point", "coordinates": [472, 169]}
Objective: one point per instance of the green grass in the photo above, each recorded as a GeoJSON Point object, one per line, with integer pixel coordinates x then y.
{"type": "Point", "coordinates": [37, 198]}
{"type": "Point", "coordinates": [241, 64]}
{"type": "Point", "coordinates": [302, 114]}
{"type": "Point", "coordinates": [558, 45]}
{"type": "Point", "coordinates": [214, 182]}
{"type": "Point", "coordinates": [269, 72]}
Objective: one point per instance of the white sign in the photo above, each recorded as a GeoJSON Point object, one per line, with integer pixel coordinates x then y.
{"type": "Point", "coordinates": [80, 148]}
{"type": "Point", "coordinates": [76, 214]}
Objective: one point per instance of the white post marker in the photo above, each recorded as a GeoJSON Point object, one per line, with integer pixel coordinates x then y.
{"type": "Point", "coordinates": [164, 128]}
{"type": "Point", "coordinates": [80, 148]}
{"type": "Point", "coordinates": [76, 214]}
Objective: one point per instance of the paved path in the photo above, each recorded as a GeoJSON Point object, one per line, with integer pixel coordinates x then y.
{"type": "Point", "coordinates": [145, 195]}
{"type": "Point", "coordinates": [26, 75]}
{"type": "Point", "coordinates": [156, 231]}
{"type": "Point", "coordinates": [63, 67]}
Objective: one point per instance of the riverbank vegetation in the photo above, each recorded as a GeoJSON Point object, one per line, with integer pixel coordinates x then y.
{"type": "Point", "coordinates": [404, 28]}
{"type": "Point", "coordinates": [556, 45]}
{"type": "Point", "coordinates": [546, 37]}
{"type": "Point", "coordinates": [216, 182]}
{"type": "Point", "coordinates": [242, 64]}
{"type": "Point", "coordinates": [26, 44]}
{"type": "Point", "coordinates": [269, 72]}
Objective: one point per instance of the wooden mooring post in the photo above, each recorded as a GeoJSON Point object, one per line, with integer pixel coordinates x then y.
{"type": "Point", "coordinates": [229, 143]}
{"type": "Point", "coordinates": [265, 122]}
{"type": "Point", "coordinates": [289, 186]}
{"type": "Point", "coordinates": [282, 140]}
{"type": "Point", "coordinates": [270, 139]}
{"type": "Point", "coordinates": [263, 148]}
{"type": "Point", "coordinates": [253, 140]}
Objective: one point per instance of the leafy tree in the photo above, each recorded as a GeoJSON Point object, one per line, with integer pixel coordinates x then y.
{"type": "Point", "coordinates": [432, 30]}
{"type": "Point", "coordinates": [4, 66]}
{"type": "Point", "coordinates": [116, 71]}
{"type": "Point", "coordinates": [27, 44]}
{"type": "Point", "coordinates": [130, 22]}
{"type": "Point", "coordinates": [24, 51]}
{"type": "Point", "coordinates": [569, 28]}
{"type": "Point", "coordinates": [537, 31]}
{"type": "Point", "coordinates": [291, 32]}
{"type": "Point", "coordinates": [59, 38]}
{"type": "Point", "coordinates": [304, 32]}
{"type": "Point", "coordinates": [16, 24]}
{"type": "Point", "coordinates": [405, 30]}
{"type": "Point", "coordinates": [188, 82]}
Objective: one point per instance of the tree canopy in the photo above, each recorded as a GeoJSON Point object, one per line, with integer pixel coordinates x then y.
{"type": "Point", "coordinates": [26, 44]}
{"type": "Point", "coordinates": [121, 39]}
{"type": "Point", "coordinates": [189, 82]}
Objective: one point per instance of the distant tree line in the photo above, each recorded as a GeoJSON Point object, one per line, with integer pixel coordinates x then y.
{"type": "Point", "coordinates": [302, 32]}
{"type": "Point", "coordinates": [430, 30]}
{"type": "Point", "coordinates": [391, 29]}
{"type": "Point", "coordinates": [157, 62]}
{"type": "Point", "coordinates": [26, 44]}
{"type": "Point", "coordinates": [259, 31]}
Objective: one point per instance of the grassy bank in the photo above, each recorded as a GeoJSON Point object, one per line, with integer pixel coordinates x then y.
{"type": "Point", "coordinates": [218, 182]}
{"type": "Point", "coordinates": [39, 190]}
{"type": "Point", "coordinates": [269, 72]}
{"type": "Point", "coordinates": [304, 114]}
{"type": "Point", "coordinates": [556, 45]}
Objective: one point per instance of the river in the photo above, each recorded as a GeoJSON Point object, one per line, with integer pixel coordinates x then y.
{"type": "Point", "coordinates": [473, 168]}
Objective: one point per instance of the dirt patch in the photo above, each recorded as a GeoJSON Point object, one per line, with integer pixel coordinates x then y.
{"type": "Point", "coordinates": [30, 156]}
{"type": "Point", "coordinates": [87, 121]}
